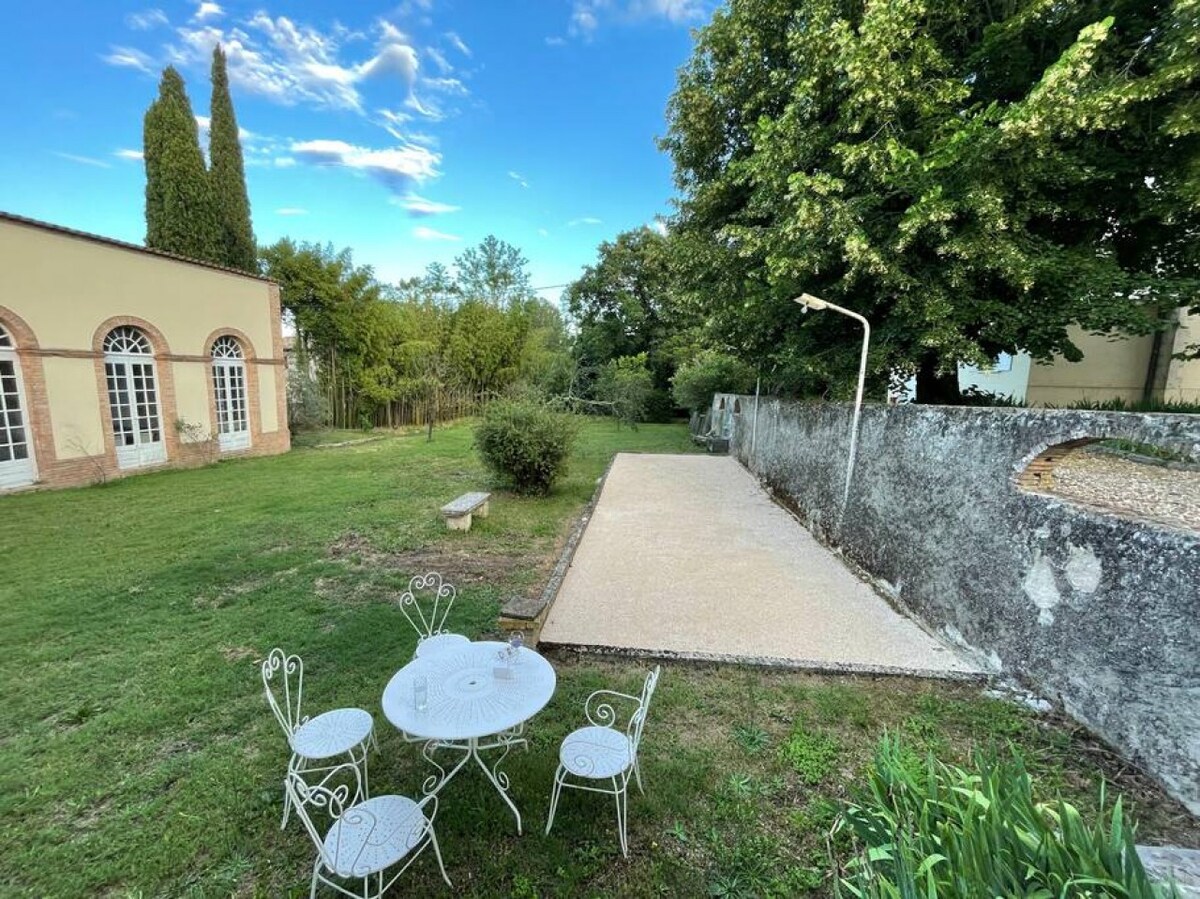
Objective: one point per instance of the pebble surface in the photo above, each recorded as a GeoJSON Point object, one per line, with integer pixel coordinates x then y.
{"type": "Point", "coordinates": [1125, 487]}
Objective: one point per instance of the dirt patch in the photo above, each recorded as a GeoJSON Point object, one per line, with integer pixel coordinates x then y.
{"type": "Point", "coordinates": [238, 653]}
{"type": "Point", "coordinates": [459, 567]}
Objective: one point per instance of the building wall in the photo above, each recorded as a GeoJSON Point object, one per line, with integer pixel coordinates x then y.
{"type": "Point", "coordinates": [62, 294]}
{"type": "Point", "coordinates": [1111, 368]}
{"type": "Point", "coordinates": [1098, 610]}
{"type": "Point", "coordinates": [1183, 378]}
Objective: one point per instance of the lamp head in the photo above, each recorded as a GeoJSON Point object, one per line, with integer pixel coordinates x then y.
{"type": "Point", "coordinates": [808, 301]}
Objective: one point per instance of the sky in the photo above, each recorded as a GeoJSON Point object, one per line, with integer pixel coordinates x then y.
{"type": "Point", "coordinates": [406, 131]}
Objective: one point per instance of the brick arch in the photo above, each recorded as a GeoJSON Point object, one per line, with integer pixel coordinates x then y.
{"type": "Point", "coordinates": [16, 326]}
{"type": "Point", "coordinates": [253, 396]}
{"type": "Point", "coordinates": [1036, 471]}
{"type": "Point", "coordinates": [157, 340]}
{"type": "Point", "coordinates": [33, 378]}
{"type": "Point", "coordinates": [164, 372]}
{"type": "Point", "coordinates": [240, 336]}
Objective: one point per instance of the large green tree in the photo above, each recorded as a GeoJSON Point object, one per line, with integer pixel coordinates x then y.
{"type": "Point", "coordinates": [493, 272]}
{"type": "Point", "coordinates": [973, 177]}
{"type": "Point", "coordinates": [181, 214]}
{"type": "Point", "coordinates": [228, 174]}
{"type": "Point", "coordinates": [624, 305]}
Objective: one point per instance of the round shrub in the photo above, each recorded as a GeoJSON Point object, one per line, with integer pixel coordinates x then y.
{"type": "Point", "coordinates": [525, 444]}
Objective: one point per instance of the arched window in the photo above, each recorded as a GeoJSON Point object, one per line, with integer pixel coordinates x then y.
{"type": "Point", "coordinates": [16, 452]}
{"type": "Point", "coordinates": [229, 393]}
{"type": "Point", "coordinates": [133, 398]}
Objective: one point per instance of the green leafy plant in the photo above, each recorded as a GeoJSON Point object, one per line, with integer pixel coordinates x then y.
{"type": "Point", "coordinates": [812, 755]}
{"type": "Point", "coordinates": [710, 372]}
{"type": "Point", "coordinates": [525, 444]}
{"type": "Point", "coordinates": [948, 831]}
{"type": "Point", "coordinates": [751, 737]}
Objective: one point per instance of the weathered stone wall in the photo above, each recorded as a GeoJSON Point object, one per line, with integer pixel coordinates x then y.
{"type": "Point", "coordinates": [1099, 611]}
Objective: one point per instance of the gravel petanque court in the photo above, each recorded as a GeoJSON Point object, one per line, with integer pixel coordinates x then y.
{"type": "Point", "coordinates": [686, 555]}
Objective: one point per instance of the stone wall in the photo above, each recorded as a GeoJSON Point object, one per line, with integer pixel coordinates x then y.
{"type": "Point", "coordinates": [1099, 611]}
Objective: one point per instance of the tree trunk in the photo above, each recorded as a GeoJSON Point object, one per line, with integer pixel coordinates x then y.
{"type": "Point", "coordinates": [937, 389]}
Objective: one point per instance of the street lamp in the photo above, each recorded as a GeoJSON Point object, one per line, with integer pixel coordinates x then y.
{"type": "Point", "coordinates": [808, 301]}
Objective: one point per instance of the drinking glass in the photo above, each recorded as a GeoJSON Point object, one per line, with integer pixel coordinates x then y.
{"type": "Point", "coordinates": [421, 693]}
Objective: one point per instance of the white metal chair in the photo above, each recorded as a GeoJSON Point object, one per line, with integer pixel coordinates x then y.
{"type": "Point", "coordinates": [425, 604]}
{"type": "Point", "coordinates": [330, 735]}
{"type": "Point", "coordinates": [366, 839]}
{"type": "Point", "coordinates": [602, 752]}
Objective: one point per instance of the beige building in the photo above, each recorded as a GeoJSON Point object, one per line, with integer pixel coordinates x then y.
{"type": "Point", "coordinates": [116, 359]}
{"type": "Point", "coordinates": [1127, 368]}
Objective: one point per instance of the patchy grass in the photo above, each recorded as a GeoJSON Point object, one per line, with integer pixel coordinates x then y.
{"type": "Point", "coordinates": [138, 758]}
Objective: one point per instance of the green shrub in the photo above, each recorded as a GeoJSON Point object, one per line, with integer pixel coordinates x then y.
{"type": "Point", "coordinates": [525, 444]}
{"type": "Point", "coordinates": [710, 372]}
{"type": "Point", "coordinates": [811, 754]}
{"type": "Point", "coordinates": [937, 830]}
{"type": "Point", "coordinates": [627, 385]}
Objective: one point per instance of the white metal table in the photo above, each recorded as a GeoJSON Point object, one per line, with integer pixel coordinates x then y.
{"type": "Point", "coordinates": [469, 708]}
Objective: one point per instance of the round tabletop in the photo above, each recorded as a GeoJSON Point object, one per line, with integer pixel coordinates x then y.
{"type": "Point", "coordinates": [467, 695]}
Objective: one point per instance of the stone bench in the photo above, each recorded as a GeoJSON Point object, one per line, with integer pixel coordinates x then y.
{"type": "Point", "coordinates": [458, 513]}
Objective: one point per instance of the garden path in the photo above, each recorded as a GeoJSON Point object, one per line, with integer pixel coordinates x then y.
{"type": "Point", "coordinates": [687, 556]}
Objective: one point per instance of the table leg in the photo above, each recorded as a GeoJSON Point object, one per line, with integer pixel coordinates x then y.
{"type": "Point", "coordinates": [434, 782]}
{"type": "Point", "coordinates": [498, 778]}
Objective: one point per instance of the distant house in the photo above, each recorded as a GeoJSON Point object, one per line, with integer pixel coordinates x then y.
{"type": "Point", "coordinates": [115, 358]}
{"type": "Point", "coordinates": [1117, 367]}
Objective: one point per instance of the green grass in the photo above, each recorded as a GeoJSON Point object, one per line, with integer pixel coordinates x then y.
{"type": "Point", "coordinates": [138, 758]}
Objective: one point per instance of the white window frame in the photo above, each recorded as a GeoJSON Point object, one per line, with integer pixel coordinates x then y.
{"type": "Point", "coordinates": [15, 472]}
{"type": "Point", "coordinates": [128, 356]}
{"type": "Point", "coordinates": [231, 394]}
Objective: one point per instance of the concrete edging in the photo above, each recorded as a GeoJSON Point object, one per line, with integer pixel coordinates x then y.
{"type": "Point", "coordinates": [520, 612]}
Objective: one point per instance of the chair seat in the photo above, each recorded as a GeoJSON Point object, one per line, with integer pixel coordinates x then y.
{"type": "Point", "coordinates": [374, 835]}
{"type": "Point", "coordinates": [332, 733]}
{"type": "Point", "coordinates": [596, 752]}
{"type": "Point", "coordinates": [439, 643]}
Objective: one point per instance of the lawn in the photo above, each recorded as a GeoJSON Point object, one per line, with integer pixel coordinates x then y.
{"type": "Point", "coordinates": [138, 757]}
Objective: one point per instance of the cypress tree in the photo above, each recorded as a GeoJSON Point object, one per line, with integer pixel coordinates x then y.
{"type": "Point", "coordinates": [180, 211]}
{"type": "Point", "coordinates": [228, 175]}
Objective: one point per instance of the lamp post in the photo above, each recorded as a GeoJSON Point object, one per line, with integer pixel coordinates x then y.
{"type": "Point", "coordinates": [808, 301]}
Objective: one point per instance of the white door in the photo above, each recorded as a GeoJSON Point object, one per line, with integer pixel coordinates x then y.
{"type": "Point", "coordinates": [133, 399]}
{"type": "Point", "coordinates": [229, 393]}
{"type": "Point", "coordinates": [17, 467]}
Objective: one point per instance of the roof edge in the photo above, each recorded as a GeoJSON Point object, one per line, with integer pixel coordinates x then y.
{"type": "Point", "coordinates": [124, 245]}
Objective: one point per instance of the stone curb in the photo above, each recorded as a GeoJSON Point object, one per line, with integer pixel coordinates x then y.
{"type": "Point", "coordinates": [771, 662]}
{"type": "Point", "coordinates": [520, 610]}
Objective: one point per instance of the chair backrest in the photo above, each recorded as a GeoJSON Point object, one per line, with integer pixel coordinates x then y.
{"type": "Point", "coordinates": [426, 603]}
{"type": "Point", "coordinates": [638, 720]}
{"type": "Point", "coordinates": [332, 795]}
{"type": "Point", "coordinates": [283, 679]}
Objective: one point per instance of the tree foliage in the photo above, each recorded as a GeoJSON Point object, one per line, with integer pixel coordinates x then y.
{"type": "Point", "coordinates": [181, 214]}
{"type": "Point", "coordinates": [974, 178]}
{"type": "Point", "coordinates": [376, 346]}
{"type": "Point", "coordinates": [493, 272]}
{"type": "Point", "coordinates": [709, 373]}
{"type": "Point", "coordinates": [228, 175]}
{"type": "Point", "coordinates": [627, 386]}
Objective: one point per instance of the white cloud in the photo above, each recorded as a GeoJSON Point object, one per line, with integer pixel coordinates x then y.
{"type": "Point", "coordinates": [419, 207]}
{"type": "Point", "coordinates": [586, 15]}
{"type": "Point", "coordinates": [146, 20]}
{"type": "Point", "coordinates": [398, 168]}
{"type": "Point", "coordinates": [459, 44]}
{"type": "Point", "coordinates": [423, 233]}
{"type": "Point", "coordinates": [284, 162]}
{"type": "Point", "coordinates": [584, 220]}
{"type": "Point", "coordinates": [128, 57]}
{"type": "Point", "coordinates": [131, 155]}
{"type": "Point", "coordinates": [245, 135]}
{"type": "Point", "coordinates": [208, 10]}
{"type": "Point", "coordinates": [291, 210]}
{"type": "Point", "coordinates": [660, 226]}
{"type": "Point", "coordinates": [439, 60]}
{"type": "Point", "coordinates": [556, 41]}
{"type": "Point", "coordinates": [519, 178]}
{"type": "Point", "coordinates": [84, 160]}
{"type": "Point", "coordinates": [542, 232]}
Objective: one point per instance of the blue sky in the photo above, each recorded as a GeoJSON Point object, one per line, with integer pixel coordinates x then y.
{"type": "Point", "coordinates": [406, 131]}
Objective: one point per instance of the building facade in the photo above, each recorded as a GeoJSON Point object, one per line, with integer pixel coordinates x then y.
{"type": "Point", "coordinates": [116, 359]}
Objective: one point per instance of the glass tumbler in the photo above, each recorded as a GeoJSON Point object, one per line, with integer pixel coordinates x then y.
{"type": "Point", "coordinates": [421, 693]}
